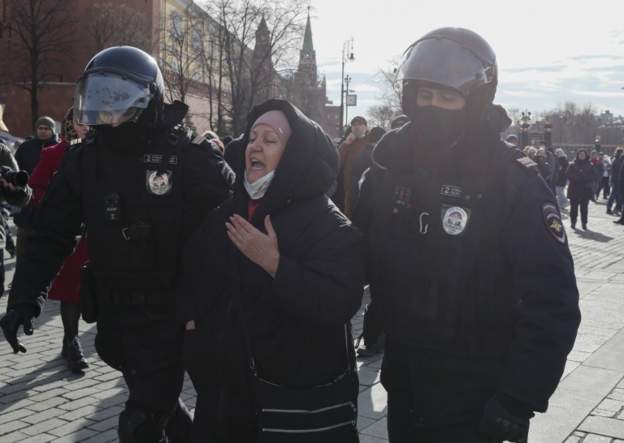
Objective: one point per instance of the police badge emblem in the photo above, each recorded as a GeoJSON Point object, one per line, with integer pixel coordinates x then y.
{"type": "Point", "coordinates": [454, 219]}
{"type": "Point", "coordinates": [158, 183]}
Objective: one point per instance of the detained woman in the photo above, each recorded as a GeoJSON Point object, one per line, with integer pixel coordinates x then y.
{"type": "Point", "coordinates": [270, 283]}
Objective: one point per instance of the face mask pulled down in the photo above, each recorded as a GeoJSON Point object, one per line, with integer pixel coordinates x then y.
{"type": "Point", "coordinates": [439, 128]}
{"type": "Point", "coordinates": [257, 189]}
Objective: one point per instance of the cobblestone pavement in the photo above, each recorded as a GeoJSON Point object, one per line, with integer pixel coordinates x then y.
{"type": "Point", "coordinates": [41, 401]}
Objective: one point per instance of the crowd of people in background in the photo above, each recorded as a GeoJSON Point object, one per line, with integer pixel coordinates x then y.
{"type": "Point", "coordinates": [586, 177]}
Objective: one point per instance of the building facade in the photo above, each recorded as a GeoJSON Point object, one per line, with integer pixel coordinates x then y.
{"type": "Point", "coordinates": [174, 32]}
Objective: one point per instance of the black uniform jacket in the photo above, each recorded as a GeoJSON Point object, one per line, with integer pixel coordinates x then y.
{"type": "Point", "coordinates": [476, 281]}
{"type": "Point", "coordinates": [139, 209]}
{"type": "Point", "coordinates": [296, 320]}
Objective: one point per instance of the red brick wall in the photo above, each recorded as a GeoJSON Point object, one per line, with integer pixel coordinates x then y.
{"type": "Point", "coordinates": [54, 99]}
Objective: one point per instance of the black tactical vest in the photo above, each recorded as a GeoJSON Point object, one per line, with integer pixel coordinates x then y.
{"type": "Point", "coordinates": [432, 233]}
{"type": "Point", "coordinates": [132, 205]}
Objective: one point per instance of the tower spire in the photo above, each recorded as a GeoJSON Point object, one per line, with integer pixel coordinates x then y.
{"type": "Point", "coordinates": [308, 44]}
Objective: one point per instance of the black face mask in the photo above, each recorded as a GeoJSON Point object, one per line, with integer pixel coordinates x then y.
{"type": "Point", "coordinates": [439, 128]}
{"type": "Point", "coordinates": [125, 138]}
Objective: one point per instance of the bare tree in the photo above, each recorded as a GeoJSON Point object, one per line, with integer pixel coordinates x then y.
{"type": "Point", "coordinates": [381, 115]}
{"type": "Point", "coordinates": [44, 33]}
{"type": "Point", "coordinates": [251, 73]}
{"type": "Point", "coordinates": [113, 25]}
{"type": "Point", "coordinates": [390, 87]}
{"type": "Point", "coordinates": [183, 51]}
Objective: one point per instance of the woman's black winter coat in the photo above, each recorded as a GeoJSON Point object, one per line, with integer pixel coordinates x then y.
{"type": "Point", "coordinates": [581, 175]}
{"type": "Point", "coordinates": [296, 320]}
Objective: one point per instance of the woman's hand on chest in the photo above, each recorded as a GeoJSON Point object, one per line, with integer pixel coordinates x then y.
{"type": "Point", "coordinates": [262, 249]}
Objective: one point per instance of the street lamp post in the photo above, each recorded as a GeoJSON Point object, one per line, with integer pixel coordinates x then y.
{"type": "Point", "coordinates": [347, 80]}
{"type": "Point", "coordinates": [524, 133]}
{"type": "Point", "coordinates": [548, 134]}
{"type": "Point", "coordinates": [347, 55]}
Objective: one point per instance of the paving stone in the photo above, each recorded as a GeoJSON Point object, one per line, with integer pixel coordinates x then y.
{"type": "Point", "coordinates": [47, 404]}
{"type": "Point", "coordinates": [11, 426]}
{"type": "Point", "coordinates": [76, 404]}
{"type": "Point", "coordinates": [370, 439]}
{"type": "Point", "coordinates": [38, 417]}
{"type": "Point", "coordinates": [592, 438]}
{"type": "Point", "coordinates": [71, 427]}
{"type": "Point", "coordinates": [104, 425]}
{"type": "Point", "coordinates": [603, 426]}
{"type": "Point", "coordinates": [611, 405]}
{"type": "Point", "coordinates": [80, 435]}
{"type": "Point", "coordinates": [39, 438]}
{"type": "Point", "coordinates": [108, 436]}
{"type": "Point", "coordinates": [617, 394]}
{"type": "Point", "coordinates": [14, 415]}
{"type": "Point", "coordinates": [378, 429]}
{"type": "Point", "coordinates": [43, 426]}
{"type": "Point", "coordinates": [364, 422]}
{"type": "Point", "coordinates": [12, 437]}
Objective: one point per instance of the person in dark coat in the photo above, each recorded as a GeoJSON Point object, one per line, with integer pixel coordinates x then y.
{"type": "Point", "coordinates": [560, 178]}
{"type": "Point", "coordinates": [621, 192]}
{"type": "Point", "coordinates": [581, 175]}
{"type": "Point", "coordinates": [363, 161]}
{"type": "Point", "coordinates": [27, 157]}
{"type": "Point", "coordinates": [349, 151]}
{"type": "Point", "coordinates": [371, 341]}
{"type": "Point", "coordinates": [27, 154]}
{"type": "Point", "coordinates": [277, 265]}
{"type": "Point", "coordinates": [466, 247]}
{"type": "Point", "coordinates": [543, 165]}
{"type": "Point", "coordinates": [616, 165]}
{"type": "Point", "coordinates": [6, 161]}
{"type": "Point", "coordinates": [598, 169]}
{"type": "Point", "coordinates": [66, 285]}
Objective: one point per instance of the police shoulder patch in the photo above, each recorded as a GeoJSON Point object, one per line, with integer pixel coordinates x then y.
{"type": "Point", "coordinates": [552, 219]}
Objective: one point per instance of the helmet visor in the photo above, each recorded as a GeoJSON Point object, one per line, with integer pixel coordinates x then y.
{"type": "Point", "coordinates": [109, 99]}
{"type": "Point", "coordinates": [445, 62]}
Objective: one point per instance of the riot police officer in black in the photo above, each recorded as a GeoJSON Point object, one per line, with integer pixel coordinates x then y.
{"type": "Point", "coordinates": [466, 244]}
{"type": "Point", "coordinates": [141, 186]}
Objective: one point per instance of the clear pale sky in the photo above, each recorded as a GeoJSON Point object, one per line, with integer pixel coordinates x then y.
{"type": "Point", "coordinates": [549, 51]}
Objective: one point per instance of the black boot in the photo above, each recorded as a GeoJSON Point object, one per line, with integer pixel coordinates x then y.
{"type": "Point", "coordinates": [72, 352]}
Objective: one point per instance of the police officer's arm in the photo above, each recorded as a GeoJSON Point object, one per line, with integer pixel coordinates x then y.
{"type": "Point", "coordinates": [545, 290]}
{"type": "Point", "coordinates": [209, 181]}
{"type": "Point", "coordinates": [43, 250]}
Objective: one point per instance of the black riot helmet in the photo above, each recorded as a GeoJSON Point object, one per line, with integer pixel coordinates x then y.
{"type": "Point", "coordinates": [120, 84]}
{"type": "Point", "coordinates": [452, 58]}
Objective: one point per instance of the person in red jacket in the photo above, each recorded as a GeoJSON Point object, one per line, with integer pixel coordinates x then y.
{"type": "Point", "coordinates": [66, 285]}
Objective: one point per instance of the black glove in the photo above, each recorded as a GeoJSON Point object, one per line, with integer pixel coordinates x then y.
{"type": "Point", "coordinates": [506, 419]}
{"type": "Point", "coordinates": [11, 322]}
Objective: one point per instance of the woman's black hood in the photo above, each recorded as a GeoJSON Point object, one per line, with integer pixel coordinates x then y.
{"type": "Point", "coordinates": [308, 167]}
